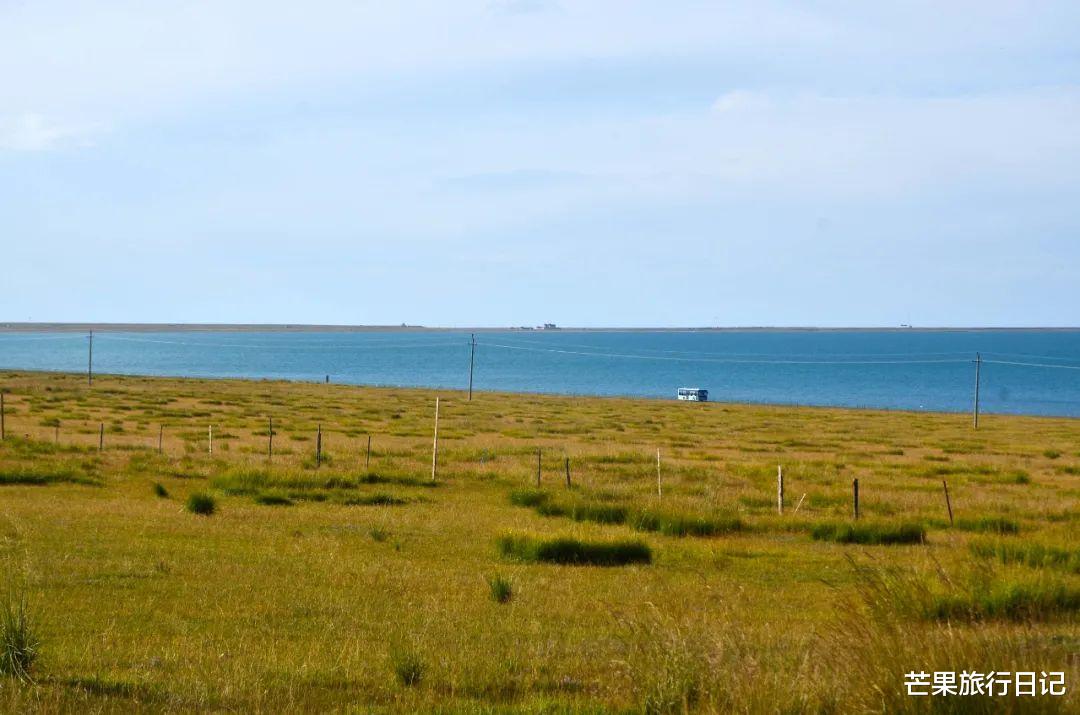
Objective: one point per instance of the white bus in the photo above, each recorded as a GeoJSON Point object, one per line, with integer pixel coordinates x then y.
{"type": "Point", "coordinates": [693, 394]}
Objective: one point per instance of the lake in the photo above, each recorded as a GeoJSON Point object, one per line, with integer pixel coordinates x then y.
{"type": "Point", "coordinates": [1022, 372]}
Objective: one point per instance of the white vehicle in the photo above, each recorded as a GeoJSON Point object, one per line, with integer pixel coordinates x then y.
{"type": "Point", "coordinates": [693, 394]}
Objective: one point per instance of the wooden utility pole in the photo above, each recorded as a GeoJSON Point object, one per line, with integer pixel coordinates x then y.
{"type": "Point", "coordinates": [780, 489]}
{"type": "Point", "coordinates": [435, 443]}
{"type": "Point", "coordinates": [948, 504]}
{"type": "Point", "coordinates": [90, 361]}
{"type": "Point", "coordinates": [978, 364]}
{"type": "Point", "coordinates": [855, 496]}
{"type": "Point", "coordinates": [472, 358]}
{"type": "Point", "coordinates": [318, 447]}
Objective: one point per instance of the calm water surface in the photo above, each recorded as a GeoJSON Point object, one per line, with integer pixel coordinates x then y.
{"type": "Point", "coordinates": [922, 370]}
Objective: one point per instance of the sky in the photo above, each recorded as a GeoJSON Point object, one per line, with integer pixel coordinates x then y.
{"type": "Point", "coordinates": [513, 162]}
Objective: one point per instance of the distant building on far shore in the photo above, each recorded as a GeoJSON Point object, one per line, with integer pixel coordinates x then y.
{"type": "Point", "coordinates": [548, 326]}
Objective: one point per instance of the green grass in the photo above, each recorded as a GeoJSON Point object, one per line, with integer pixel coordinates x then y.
{"type": "Point", "coordinates": [500, 588]}
{"type": "Point", "coordinates": [18, 642]}
{"type": "Point", "coordinates": [989, 524]}
{"type": "Point", "coordinates": [574, 552]}
{"type": "Point", "coordinates": [201, 503]}
{"type": "Point", "coordinates": [1034, 555]}
{"type": "Point", "coordinates": [141, 606]}
{"type": "Point", "coordinates": [273, 497]}
{"type": "Point", "coordinates": [160, 490]}
{"type": "Point", "coordinates": [647, 518]}
{"type": "Point", "coordinates": [1008, 600]}
{"type": "Point", "coordinates": [870, 533]}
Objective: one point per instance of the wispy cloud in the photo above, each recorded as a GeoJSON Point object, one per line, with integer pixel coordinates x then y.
{"type": "Point", "coordinates": [33, 132]}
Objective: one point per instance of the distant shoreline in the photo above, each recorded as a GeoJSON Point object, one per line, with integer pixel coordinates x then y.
{"type": "Point", "coordinates": [19, 327]}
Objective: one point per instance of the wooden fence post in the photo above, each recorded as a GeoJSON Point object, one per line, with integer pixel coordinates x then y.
{"type": "Point", "coordinates": [780, 489]}
{"type": "Point", "coordinates": [855, 495]}
{"type": "Point", "coordinates": [659, 492]}
{"type": "Point", "coordinates": [435, 443]}
{"type": "Point", "coordinates": [318, 447]}
{"type": "Point", "coordinates": [367, 460]}
{"type": "Point", "coordinates": [56, 432]}
{"type": "Point", "coordinates": [567, 472]}
{"type": "Point", "coordinates": [160, 438]}
{"type": "Point", "coordinates": [3, 429]}
{"type": "Point", "coordinates": [538, 467]}
{"type": "Point", "coordinates": [948, 504]}
{"type": "Point", "coordinates": [210, 443]}
{"type": "Point", "coordinates": [797, 506]}
{"type": "Point", "coordinates": [270, 440]}
{"type": "Point", "coordinates": [101, 438]}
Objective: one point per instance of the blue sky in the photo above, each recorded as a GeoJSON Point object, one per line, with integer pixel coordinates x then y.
{"type": "Point", "coordinates": [512, 162]}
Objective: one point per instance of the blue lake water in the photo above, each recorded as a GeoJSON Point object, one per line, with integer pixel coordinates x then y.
{"type": "Point", "coordinates": [1026, 372]}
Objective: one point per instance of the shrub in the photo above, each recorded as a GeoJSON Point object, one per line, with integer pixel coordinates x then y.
{"type": "Point", "coordinates": [160, 490]}
{"type": "Point", "coordinates": [201, 503]}
{"type": "Point", "coordinates": [870, 533]}
{"type": "Point", "coordinates": [408, 667]}
{"type": "Point", "coordinates": [574, 551]}
{"type": "Point", "coordinates": [992, 524]}
{"type": "Point", "coordinates": [501, 589]}
{"type": "Point", "coordinates": [18, 644]}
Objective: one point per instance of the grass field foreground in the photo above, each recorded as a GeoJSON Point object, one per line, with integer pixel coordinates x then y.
{"type": "Point", "coordinates": [185, 580]}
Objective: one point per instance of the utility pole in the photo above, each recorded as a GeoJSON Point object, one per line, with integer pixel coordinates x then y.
{"type": "Point", "coordinates": [472, 359]}
{"type": "Point", "coordinates": [978, 364]}
{"type": "Point", "coordinates": [90, 361]}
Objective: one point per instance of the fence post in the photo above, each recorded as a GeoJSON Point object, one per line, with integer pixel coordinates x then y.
{"type": "Point", "coordinates": [3, 436]}
{"type": "Point", "coordinates": [160, 438]}
{"type": "Point", "coordinates": [56, 432]}
{"type": "Point", "coordinates": [270, 441]}
{"type": "Point", "coordinates": [435, 443]}
{"type": "Point", "coordinates": [855, 495]}
{"type": "Point", "coordinates": [538, 467]}
{"type": "Point", "coordinates": [780, 489]}
{"type": "Point", "coordinates": [567, 472]}
{"type": "Point", "coordinates": [659, 492]}
{"type": "Point", "coordinates": [101, 438]}
{"type": "Point", "coordinates": [367, 460]}
{"type": "Point", "coordinates": [948, 504]}
{"type": "Point", "coordinates": [318, 447]}
{"type": "Point", "coordinates": [210, 434]}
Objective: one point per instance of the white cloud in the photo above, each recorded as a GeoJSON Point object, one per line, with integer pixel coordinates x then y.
{"type": "Point", "coordinates": [33, 132]}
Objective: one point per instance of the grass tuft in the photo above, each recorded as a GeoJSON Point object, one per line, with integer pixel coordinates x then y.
{"type": "Point", "coordinates": [1031, 555]}
{"type": "Point", "coordinates": [574, 552]}
{"type": "Point", "coordinates": [870, 533]}
{"type": "Point", "coordinates": [201, 503]}
{"type": "Point", "coordinates": [989, 524]}
{"type": "Point", "coordinates": [160, 490]}
{"type": "Point", "coordinates": [18, 643]}
{"type": "Point", "coordinates": [408, 667]}
{"type": "Point", "coordinates": [501, 589]}
{"type": "Point", "coordinates": [273, 497]}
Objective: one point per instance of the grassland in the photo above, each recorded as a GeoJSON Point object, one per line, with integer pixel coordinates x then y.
{"type": "Point", "coordinates": [363, 586]}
